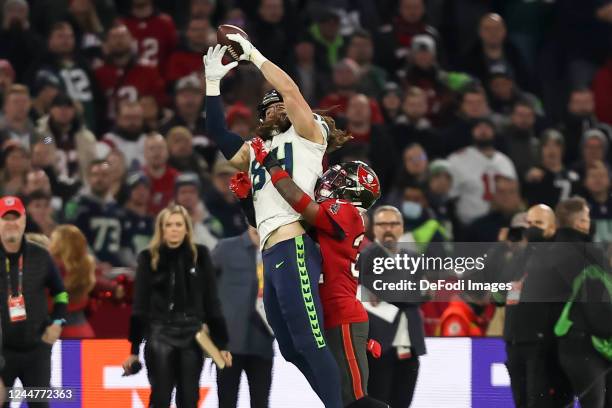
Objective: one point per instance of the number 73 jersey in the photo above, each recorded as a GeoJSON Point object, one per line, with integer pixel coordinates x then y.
{"type": "Point", "coordinates": [340, 232]}
{"type": "Point", "coordinates": [302, 159]}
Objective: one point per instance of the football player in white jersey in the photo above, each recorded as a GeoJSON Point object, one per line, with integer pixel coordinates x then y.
{"type": "Point", "coordinates": [292, 261]}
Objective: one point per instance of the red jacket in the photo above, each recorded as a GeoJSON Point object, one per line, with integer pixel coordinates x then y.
{"type": "Point", "coordinates": [156, 36]}
{"type": "Point", "coordinates": [602, 89]}
{"type": "Point", "coordinates": [182, 63]}
{"type": "Point", "coordinates": [337, 105]}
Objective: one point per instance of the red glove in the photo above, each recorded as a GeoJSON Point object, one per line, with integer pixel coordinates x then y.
{"type": "Point", "coordinates": [240, 184]}
{"type": "Point", "coordinates": [260, 150]}
{"type": "Point", "coordinates": [374, 348]}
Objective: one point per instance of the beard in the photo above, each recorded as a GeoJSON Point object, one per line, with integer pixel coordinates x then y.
{"type": "Point", "coordinates": [273, 126]}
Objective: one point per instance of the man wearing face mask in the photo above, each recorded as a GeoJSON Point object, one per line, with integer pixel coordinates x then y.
{"type": "Point", "coordinates": [531, 358]}
{"type": "Point", "coordinates": [420, 224]}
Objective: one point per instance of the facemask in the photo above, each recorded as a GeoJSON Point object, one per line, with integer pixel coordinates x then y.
{"type": "Point", "coordinates": [411, 210]}
{"type": "Point", "coordinates": [534, 234]}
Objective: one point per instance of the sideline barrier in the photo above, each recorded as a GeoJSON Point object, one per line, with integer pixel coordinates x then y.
{"type": "Point", "coordinates": [456, 373]}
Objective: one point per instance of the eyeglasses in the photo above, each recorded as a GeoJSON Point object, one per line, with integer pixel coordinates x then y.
{"type": "Point", "coordinates": [387, 224]}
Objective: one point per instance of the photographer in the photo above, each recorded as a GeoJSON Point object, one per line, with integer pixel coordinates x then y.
{"type": "Point", "coordinates": [175, 295]}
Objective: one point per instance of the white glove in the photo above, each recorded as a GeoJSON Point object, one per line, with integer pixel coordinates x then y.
{"type": "Point", "coordinates": [250, 53]}
{"type": "Point", "coordinates": [215, 70]}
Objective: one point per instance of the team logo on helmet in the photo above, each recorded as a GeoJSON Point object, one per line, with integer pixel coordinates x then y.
{"type": "Point", "coordinates": [9, 201]}
{"type": "Point", "coordinates": [367, 180]}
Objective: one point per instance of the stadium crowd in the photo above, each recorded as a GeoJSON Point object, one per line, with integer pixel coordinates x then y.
{"type": "Point", "coordinates": [469, 111]}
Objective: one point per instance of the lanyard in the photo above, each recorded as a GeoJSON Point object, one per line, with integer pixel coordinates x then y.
{"type": "Point", "coordinates": [8, 275]}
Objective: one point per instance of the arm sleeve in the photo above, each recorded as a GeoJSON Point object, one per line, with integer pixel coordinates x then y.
{"type": "Point", "coordinates": [212, 306]}
{"type": "Point", "coordinates": [57, 291]}
{"type": "Point", "coordinates": [229, 143]}
{"type": "Point", "coordinates": [140, 305]}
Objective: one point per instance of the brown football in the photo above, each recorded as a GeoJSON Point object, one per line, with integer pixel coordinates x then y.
{"type": "Point", "coordinates": [234, 49]}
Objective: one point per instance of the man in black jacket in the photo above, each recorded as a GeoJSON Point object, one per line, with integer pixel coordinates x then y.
{"type": "Point", "coordinates": [393, 376]}
{"type": "Point", "coordinates": [589, 372]}
{"type": "Point", "coordinates": [28, 332]}
{"type": "Point", "coordinates": [531, 358]}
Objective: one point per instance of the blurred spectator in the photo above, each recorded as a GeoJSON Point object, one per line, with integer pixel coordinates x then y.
{"type": "Point", "coordinates": [325, 32]}
{"type": "Point", "coordinates": [68, 247]}
{"type": "Point", "coordinates": [422, 70]}
{"type": "Point", "coordinates": [222, 203]}
{"type": "Point", "coordinates": [239, 262]}
{"type": "Point", "coordinates": [187, 58]}
{"type": "Point", "coordinates": [412, 125]}
{"type": "Point", "coordinates": [394, 42]}
{"type": "Point", "coordinates": [493, 49]}
{"type": "Point", "coordinates": [122, 76]}
{"type": "Point", "coordinates": [64, 63]}
{"type": "Point", "coordinates": [467, 316]}
{"type": "Point", "coordinates": [372, 78]}
{"type": "Point", "coordinates": [239, 120]}
{"type": "Point", "coordinates": [520, 138]}
{"type": "Point", "coordinates": [36, 180]}
{"type": "Point", "coordinates": [309, 72]}
{"type": "Point", "coordinates": [599, 198]}
{"type": "Point", "coordinates": [153, 114]}
{"type": "Point", "coordinates": [76, 145]}
{"type": "Point", "coordinates": [137, 225]}
{"type": "Point", "coordinates": [128, 135]}
{"type": "Point", "coordinates": [580, 116]}
{"type": "Point", "coordinates": [505, 203]}
{"type": "Point", "coordinates": [346, 76]}
{"type": "Point", "coordinates": [15, 123]}
{"type": "Point", "coordinates": [117, 173]}
{"type": "Point", "coordinates": [7, 77]}
{"type": "Point", "coordinates": [602, 84]}
{"type": "Point", "coordinates": [181, 154]}
{"type": "Point", "coordinates": [458, 27]}
{"type": "Point", "coordinates": [162, 175]}
{"type": "Point", "coordinates": [420, 223]}
{"type": "Point", "coordinates": [268, 32]}
{"type": "Point", "coordinates": [19, 44]}
{"type": "Point", "coordinates": [504, 92]}
{"type": "Point", "coordinates": [369, 140]}
{"type": "Point", "coordinates": [550, 182]}
{"type": "Point", "coordinates": [204, 9]}
{"type": "Point", "coordinates": [439, 186]}
{"type": "Point", "coordinates": [96, 214]}
{"type": "Point", "coordinates": [474, 171]}
{"type": "Point", "coordinates": [188, 190]}
{"type": "Point", "coordinates": [154, 32]}
{"type": "Point", "coordinates": [414, 166]}
{"type": "Point", "coordinates": [46, 87]}
{"type": "Point", "coordinates": [15, 167]}
{"type": "Point", "coordinates": [88, 29]}
{"type": "Point", "coordinates": [473, 107]}
{"type": "Point", "coordinates": [391, 102]}
{"type": "Point", "coordinates": [189, 112]}
{"type": "Point", "coordinates": [44, 158]}
{"type": "Point", "coordinates": [40, 213]}
{"type": "Point", "coordinates": [594, 147]}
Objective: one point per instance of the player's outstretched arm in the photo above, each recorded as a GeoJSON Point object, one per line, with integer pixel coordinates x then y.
{"type": "Point", "coordinates": [299, 112]}
{"type": "Point", "coordinates": [231, 145]}
{"type": "Point", "coordinates": [291, 192]}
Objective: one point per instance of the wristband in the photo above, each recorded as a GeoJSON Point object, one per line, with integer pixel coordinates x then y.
{"type": "Point", "coordinates": [257, 58]}
{"type": "Point", "coordinates": [213, 87]}
{"type": "Point", "coordinates": [279, 175]}
{"type": "Point", "coordinates": [301, 205]}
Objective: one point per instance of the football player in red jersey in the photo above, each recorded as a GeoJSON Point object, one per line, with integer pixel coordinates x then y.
{"type": "Point", "coordinates": [341, 193]}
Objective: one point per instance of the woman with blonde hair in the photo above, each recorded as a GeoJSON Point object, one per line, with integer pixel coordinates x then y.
{"type": "Point", "coordinates": [175, 294]}
{"type": "Point", "coordinates": [68, 247]}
